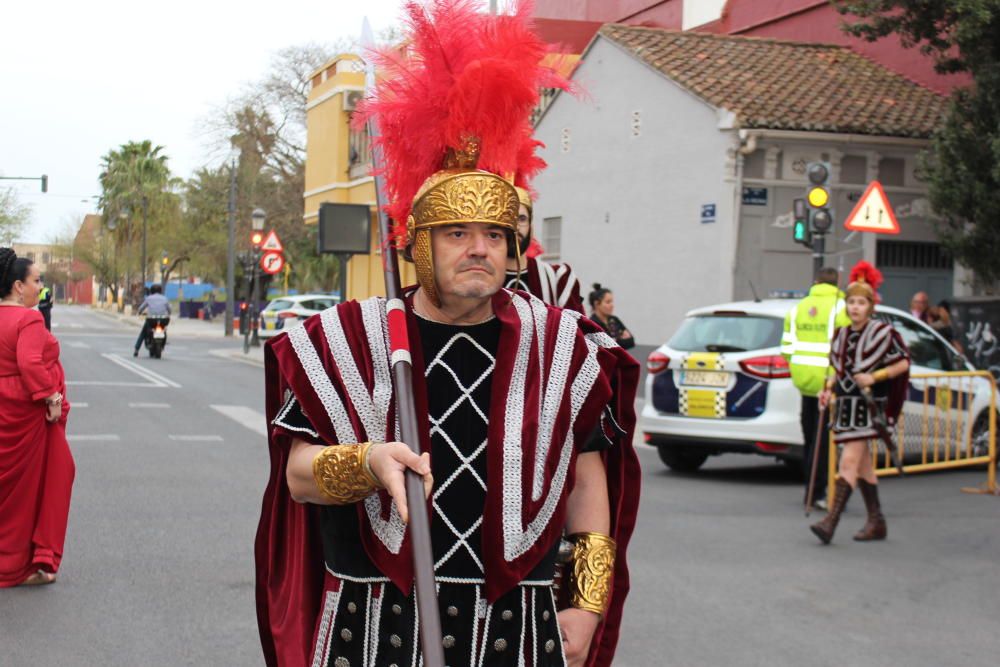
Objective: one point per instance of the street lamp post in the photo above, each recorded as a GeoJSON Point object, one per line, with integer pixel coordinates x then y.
{"type": "Point", "coordinates": [231, 252]}
{"type": "Point", "coordinates": [127, 295]}
{"type": "Point", "coordinates": [111, 224]}
{"type": "Point", "coordinates": [145, 206]}
{"type": "Point", "coordinates": [257, 220]}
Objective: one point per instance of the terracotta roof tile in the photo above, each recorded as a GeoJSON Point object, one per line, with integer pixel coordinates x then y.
{"type": "Point", "coordinates": [787, 85]}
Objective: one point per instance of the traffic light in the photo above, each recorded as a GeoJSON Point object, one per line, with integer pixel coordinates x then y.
{"type": "Point", "coordinates": [164, 260]}
{"type": "Point", "coordinates": [818, 197]}
{"type": "Point", "coordinates": [45, 182]}
{"type": "Point", "coordinates": [256, 238]}
{"type": "Point", "coordinates": [800, 226]}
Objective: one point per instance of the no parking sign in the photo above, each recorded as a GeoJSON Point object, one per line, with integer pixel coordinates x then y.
{"type": "Point", "coordinates": [272, 262]}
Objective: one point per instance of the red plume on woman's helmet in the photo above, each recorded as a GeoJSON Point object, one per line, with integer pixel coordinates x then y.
{"type": "Point", "coordinates": [459, 73]}
{"type": "Point", "coordinates": [865, 271]}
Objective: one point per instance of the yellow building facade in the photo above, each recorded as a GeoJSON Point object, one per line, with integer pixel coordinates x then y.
{"type": "Point", "coordinates": [338, 165]}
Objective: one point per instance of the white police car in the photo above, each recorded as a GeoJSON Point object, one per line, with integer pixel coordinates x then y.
{"type": "Point", "coordinates": [285, 312]}
{"type": "Point", "coordinates": [720, 385]}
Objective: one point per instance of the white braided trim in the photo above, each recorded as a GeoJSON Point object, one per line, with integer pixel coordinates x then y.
{"type": "Point", "coordinates": [321, 652]}
{"type": "Point", "coordinates": [517, 538]}
{"type": "Point", "coordinates": [328, 396]}
{"type": "Point", "coordinates": [553, 399]}
{"type": "Point", "coordinates": [357, 392]}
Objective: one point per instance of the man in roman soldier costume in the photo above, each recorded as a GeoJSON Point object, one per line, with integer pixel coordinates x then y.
{"type": "Point", "coordinates": [867, 355]}
{"type": "Point", "coordinates": [525, 409]}
{"type": "Point", "coordinates": [555, 284]}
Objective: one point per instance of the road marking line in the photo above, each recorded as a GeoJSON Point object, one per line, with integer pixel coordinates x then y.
{"type": "Point", "coordinates": [248, 417]}
{"type": "Point", "coordinates": [141, 371]}
{"type": "Point", "coordinates": [149, 405]}
{"type": "Point", "coordinates": [196, 438]}
{"type": "Point", "coordinates": [106, 437]}
{"type": "Point", "coordinates": [79, 345]}
{"type": "Point", "coordinates": [79, 405]}
{"type": "Point", "coordinates": [101, 383]}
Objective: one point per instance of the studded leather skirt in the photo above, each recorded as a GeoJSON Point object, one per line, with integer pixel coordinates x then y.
{"type": "Point", "coordinates": [372, 624]}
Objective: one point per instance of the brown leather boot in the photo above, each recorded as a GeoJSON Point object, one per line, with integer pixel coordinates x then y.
{"type": "Point", "coordinates": [875, 528]}
{"type": "Point", "coordinates": [824, 529]}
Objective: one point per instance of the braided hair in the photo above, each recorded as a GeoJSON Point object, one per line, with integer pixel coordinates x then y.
{"type": "Point", "coordinates": [597, 295]}
{"type": "Point", "coordinates": [12, 269]}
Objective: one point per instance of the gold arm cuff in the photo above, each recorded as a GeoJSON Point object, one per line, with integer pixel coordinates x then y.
{"type": "Point", "coordinates": [342, 473]}
{"type": "Point", "coordinates": [881, 375]}
{"type": "Point", "coordinates": [593, 566]}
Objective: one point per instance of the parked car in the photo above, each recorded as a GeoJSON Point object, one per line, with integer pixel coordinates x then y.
{"type": "Point", "coordinates": [720, 385]}
{"type": "Point", "coordinates": [285, 312]}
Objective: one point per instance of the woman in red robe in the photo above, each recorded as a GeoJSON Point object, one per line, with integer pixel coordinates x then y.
{"type": "Point", "coordinates": [36, 466]}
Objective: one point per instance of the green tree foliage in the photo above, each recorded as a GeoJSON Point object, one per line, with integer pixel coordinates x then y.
{"type": "Point", "coordinates": [963, 163]}
{"type": "Point", "coordinates": [136, 183]}
{"type": "Point", "coordinates": [14, 216]}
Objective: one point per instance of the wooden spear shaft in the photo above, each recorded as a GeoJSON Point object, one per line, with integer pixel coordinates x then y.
{"type": "Point", "coordinates": [402, 376]}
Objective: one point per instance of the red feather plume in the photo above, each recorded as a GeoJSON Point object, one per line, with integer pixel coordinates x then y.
{"type": "Point", "coordinates": [871, 275]}
{"type": "Point", "coordinates": [460, 72]}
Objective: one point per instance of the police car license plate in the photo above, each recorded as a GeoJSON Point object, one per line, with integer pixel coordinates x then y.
{"type": "Point", "coordinates": [159, 333]}
{"type": "Point", "coordinates": [705, 378]}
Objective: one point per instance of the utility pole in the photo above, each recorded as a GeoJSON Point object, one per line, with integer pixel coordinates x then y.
{"type": "Point", "coordinates": [230, 252]}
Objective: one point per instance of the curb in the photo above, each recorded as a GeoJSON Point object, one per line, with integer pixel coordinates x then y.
{"type": "Point", "coordinates": [237, 355]}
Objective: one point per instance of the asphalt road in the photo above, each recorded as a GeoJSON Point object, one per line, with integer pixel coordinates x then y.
{"type": "Point", "coordinates": [171, 464]}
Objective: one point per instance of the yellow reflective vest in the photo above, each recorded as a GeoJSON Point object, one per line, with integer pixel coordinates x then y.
{"type": "Point", "coordinates": [809, 328]}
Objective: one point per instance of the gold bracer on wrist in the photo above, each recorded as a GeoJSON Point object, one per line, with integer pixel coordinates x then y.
{"type": "Point", "coordinates": [591, 570]}
{"type": "Point", "coordinates": [342, 473]}
{"type": "Point", "coordinates": [881, 375]}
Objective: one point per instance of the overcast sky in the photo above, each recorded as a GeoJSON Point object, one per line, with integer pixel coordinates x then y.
{"type": "Point", "coordinates": [80, 78]}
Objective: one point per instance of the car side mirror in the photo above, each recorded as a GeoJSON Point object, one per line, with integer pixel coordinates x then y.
{"type": "Point", "coordinates": [959, 362]}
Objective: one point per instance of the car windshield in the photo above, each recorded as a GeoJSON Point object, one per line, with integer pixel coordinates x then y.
{"type": "Point", "coordinates": [279, 304]}
{"type": "Point", "coordinates": [727, 333]}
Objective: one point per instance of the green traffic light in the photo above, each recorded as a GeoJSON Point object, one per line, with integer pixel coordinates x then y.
{"type": "Point", "coordinates": [801, 231]}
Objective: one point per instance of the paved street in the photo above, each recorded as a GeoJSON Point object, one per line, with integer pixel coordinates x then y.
{"type": "Point", "coordinates": [171, 462]}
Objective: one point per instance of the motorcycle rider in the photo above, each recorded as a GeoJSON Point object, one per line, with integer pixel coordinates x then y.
{"type": "Point", "coordinates": [158, 308]}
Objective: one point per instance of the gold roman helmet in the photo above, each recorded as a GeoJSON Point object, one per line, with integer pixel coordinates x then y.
{"type": "Point", "coordinates": [861, 288]}
{"type": "Point", "coordinates": [865, 280]}
{"type": "Point", "coordinates": [459, 193]}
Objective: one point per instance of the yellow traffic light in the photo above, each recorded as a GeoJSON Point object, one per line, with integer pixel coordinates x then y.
{"type": "Point", "coordinates": [818, 197]}
{"type": "Point", "coordinates": [164, 261]}
{"type": "Point", "coordinates": [256, 238]}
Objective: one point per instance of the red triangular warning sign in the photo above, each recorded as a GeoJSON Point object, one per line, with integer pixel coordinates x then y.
{"type": "Point", "coordinates": [873, 213]}
{"type": "Point", "coordinates": [271, 243]}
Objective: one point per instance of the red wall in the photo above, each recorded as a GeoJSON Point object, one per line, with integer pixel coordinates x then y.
{"type": "Point", "coordinates": [812, 21]}
{"type": "Point", "coordinates": [799, 20]}
{"type": "Point", "coordinates": [666, 13]}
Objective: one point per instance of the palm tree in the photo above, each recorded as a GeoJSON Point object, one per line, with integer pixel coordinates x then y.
{"type": "Point", "coordinates": [133, 177]}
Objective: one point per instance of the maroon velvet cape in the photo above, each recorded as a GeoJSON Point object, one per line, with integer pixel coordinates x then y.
{"type": "Point", "coordinates": [288, 550]}
{"type": "Point", "coordinates": [565, 283]}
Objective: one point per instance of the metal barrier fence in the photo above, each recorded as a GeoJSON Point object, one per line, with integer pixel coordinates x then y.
{"type": "Point", "coordinates": [949, 420]}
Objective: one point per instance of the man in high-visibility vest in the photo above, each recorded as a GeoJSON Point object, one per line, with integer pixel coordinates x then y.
{"type": "Point", "coordinates": [809, 328]}
{"type": "Point", "coordinates": [45, 305]}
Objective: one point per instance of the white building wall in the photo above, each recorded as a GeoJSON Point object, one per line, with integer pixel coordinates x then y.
{"type": "Point", "coordinates": [631, 205]}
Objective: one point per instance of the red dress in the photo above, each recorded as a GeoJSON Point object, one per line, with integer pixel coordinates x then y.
{"type": "Point", "coordinates": [36, 466]}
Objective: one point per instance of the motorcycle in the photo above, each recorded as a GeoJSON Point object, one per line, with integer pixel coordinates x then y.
{"type": "Point", "coordinates": [156, 336]}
